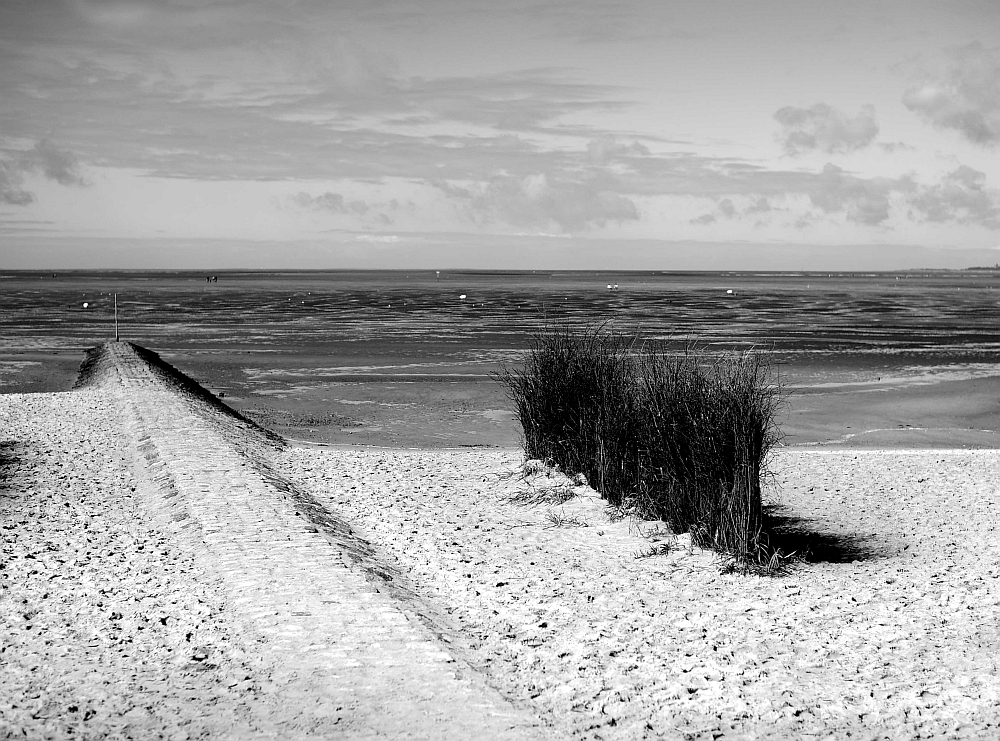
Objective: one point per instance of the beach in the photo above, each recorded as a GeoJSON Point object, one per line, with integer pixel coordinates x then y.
{"type": "Point", "coordinates": [144, 600]}
{"type": "Point", "coordinates": [397, 358]}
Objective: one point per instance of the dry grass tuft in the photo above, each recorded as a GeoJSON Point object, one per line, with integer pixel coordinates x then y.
{"type": "Point", "coordinates": [681, 437]}
{"type": "Point", "coordinates": [558, 519]}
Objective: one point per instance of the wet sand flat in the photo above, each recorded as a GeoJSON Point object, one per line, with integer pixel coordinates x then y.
{"type": "Point", "coordinates": [830, 404]}
{"type": "Point", "coordinates": [884, 409]}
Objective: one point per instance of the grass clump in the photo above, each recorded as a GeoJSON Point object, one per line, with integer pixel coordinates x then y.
{"type": "Point", "coordinates": [682, 437]}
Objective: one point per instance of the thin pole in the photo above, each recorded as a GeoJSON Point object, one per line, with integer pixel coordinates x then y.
{"type": "Point", "coordinates": [116, 317]}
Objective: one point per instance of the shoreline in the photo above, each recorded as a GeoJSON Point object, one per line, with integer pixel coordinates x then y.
{"type": "Point", "coordinates": [941, 410]}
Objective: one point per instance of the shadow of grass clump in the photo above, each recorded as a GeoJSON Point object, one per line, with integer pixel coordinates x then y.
{"type": "Point", "coordinates": [797, 537]}
{"type": "Point", "coordinates": [681, 437]}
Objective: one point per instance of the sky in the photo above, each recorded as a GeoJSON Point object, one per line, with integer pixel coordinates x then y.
{"type": "Point", "coordinates": [532, 134]}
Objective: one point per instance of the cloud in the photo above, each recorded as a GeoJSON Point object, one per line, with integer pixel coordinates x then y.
{"type": "Point", "coordinates": [607, 149]}
{"type": "Point", "coordinates": [56, 164]}
{"type": "Point", "coordinates": [11, 179]}
{"type": "Point", "coordinates": [959, 197]}
{"type": "Point", "coordinates": [44, 157]}
{"type": "Point", "coordinates": [377, 238]}
{"type": "Point", "coordinates": [728, 209]}
{"type": "Point", "coordinates": [539, 201]}
{"type": "Point", "coordinates": [824, 128]}
{"type": "Point", "coordinates": [864, 201]}
{"type": "Point", "coordinates": [208, 90]}
{"type": "Point", "coordinates": [962, 197]}
{"type": "Point", "coordinates": [329, 201]}
{"type": "Point", "coordinates": [965, 98]}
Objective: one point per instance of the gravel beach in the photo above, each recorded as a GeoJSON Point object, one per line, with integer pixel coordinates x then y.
{"type": "Point", "coordinates": [121, 623]}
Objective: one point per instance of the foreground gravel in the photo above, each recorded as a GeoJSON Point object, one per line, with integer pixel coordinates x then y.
{"type": "Point", "coordinates": [109, 631]}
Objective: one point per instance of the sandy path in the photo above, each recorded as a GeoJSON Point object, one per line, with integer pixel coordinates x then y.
{"type": "Point", "coordinates": [895, 635]}
{"type": "Point", "coordinates": [300, 632]}
{"type": "Point", "coordinates": [102, 614]}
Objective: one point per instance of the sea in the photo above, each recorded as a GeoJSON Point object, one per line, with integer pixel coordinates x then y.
{"type": "Point", "coordinates": [272, 335]}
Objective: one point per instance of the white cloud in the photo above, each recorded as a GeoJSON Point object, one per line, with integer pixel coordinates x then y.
{"type": "Point", "coordinates": [11, 180]}
{"type": "Point", "coordinates": [959, 197]}
{"type": "Point", "coordinates": [329, 201]}
{"type": "Point", "coordinates": [824, 128]}
{"type": "Point", "coordinates": [542, 202]}
{"type": "Point", "coordinates": [962, 197]}
{"type": "Point", "coordinates": [863, 200]}
{"type": "Point", "coordinates": [965, 98]}
{"type": "Point", "coordinates": [377, 238]}
{"type": "Point", "coordinates": [607, 149]}
{"type": "Point", "coordinates": [45, 158]}
{"type": "Point", "coordinates": [56, 164]}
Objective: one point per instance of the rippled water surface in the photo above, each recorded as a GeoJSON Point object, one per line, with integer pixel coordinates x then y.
{"type": "Point", "coordinates": [405, 358]}
{"type": "Point", "coordinates": [935, 313]}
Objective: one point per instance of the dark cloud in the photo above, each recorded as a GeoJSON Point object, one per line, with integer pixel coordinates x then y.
{"type": "Point", "coordinates": [965, 98]}
{"type": "Point", "coordinates": [824, 128]}
{"type": "Point", "coordinates": [962, 197]}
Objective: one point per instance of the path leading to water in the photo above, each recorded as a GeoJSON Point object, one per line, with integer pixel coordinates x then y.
{"type": "Point", "coordinates": [332, 641]}
{"type": "Point", "coordinates": [170, 571]}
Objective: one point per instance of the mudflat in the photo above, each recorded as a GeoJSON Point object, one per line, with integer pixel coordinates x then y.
{"type": "Point", "coordinates": [906, 359]}
{"type": "Point", "coordinates": [834, 404]}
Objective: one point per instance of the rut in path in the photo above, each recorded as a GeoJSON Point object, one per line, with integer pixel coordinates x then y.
{"type": "Point", "coordinates": [351, 651]}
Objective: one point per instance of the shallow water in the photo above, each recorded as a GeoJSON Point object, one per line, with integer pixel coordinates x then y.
{"type": "Point", "coordinates": [331, 340]}
{"type": "Point", "coordinates": [936, 312]}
